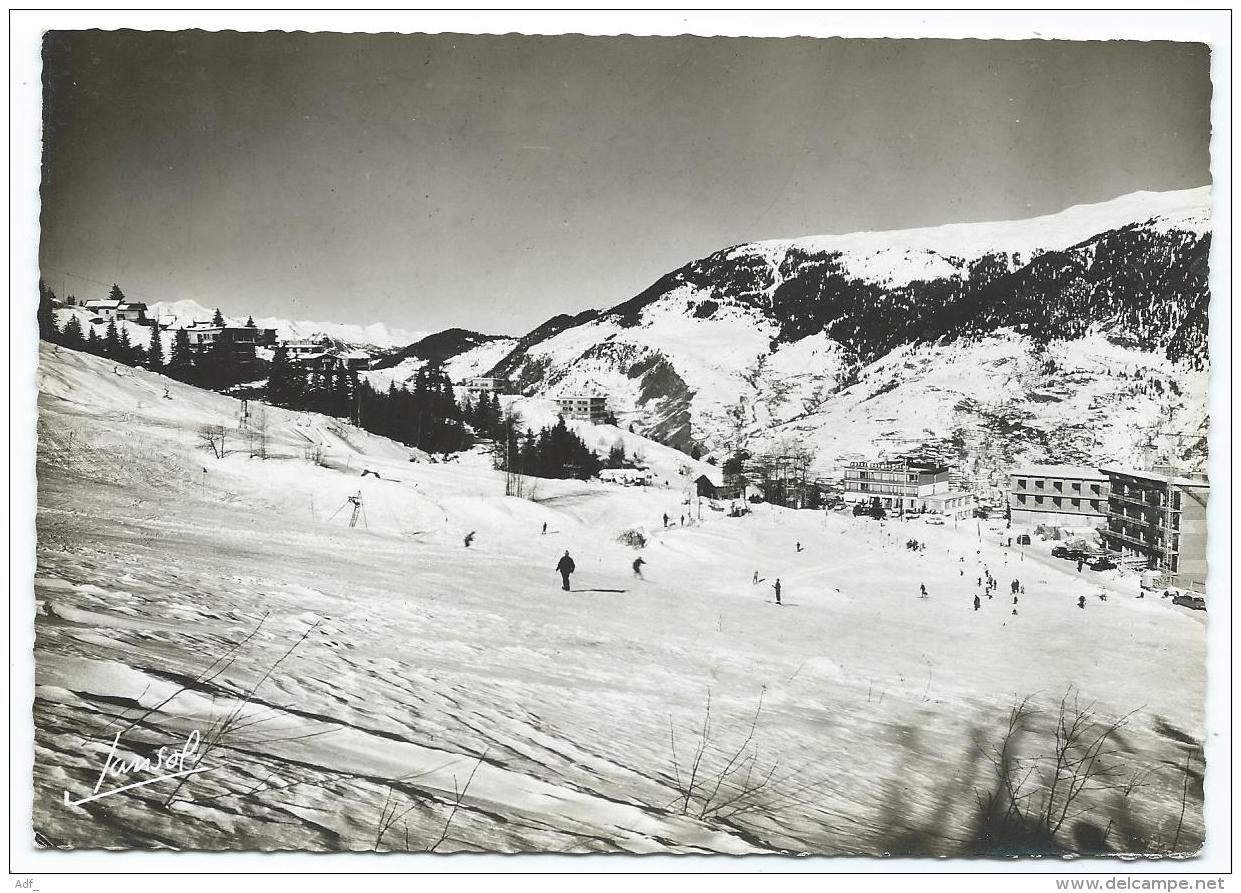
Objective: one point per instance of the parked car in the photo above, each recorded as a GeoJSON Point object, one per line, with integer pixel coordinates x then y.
{"type": "Point", "coordinates": [1190, 601]}
{"type": "Point", "coordinates": [1070, 554]}
{"type": "Point", "coordinates": [1023, 539]}
{"type": "Point", "coordinates": [1102, 563]}
{"type": "Point", "coordinates": [933, 519]}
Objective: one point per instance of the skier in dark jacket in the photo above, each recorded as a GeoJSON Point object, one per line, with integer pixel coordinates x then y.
{"type": "Point", "coordinates": [566, 567]}
{"type": "Point", "coordinates": [777, 589]}
{"type": "Point", "coordinates": [637, 566]}
{"type": "Point", "coordinates": [977, 603]}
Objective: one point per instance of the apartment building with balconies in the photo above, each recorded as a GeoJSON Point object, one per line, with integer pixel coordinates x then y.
{"type": "Point", "coordinates": [1160, 517]}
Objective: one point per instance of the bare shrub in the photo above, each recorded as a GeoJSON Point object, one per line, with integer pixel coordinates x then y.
{"type": "Point", "coordinates": [723, 783]}
{"type": "Point", "coordinates": [213, 437]}
{"type": "Point", "coordinates": [1038, 798]}
{"type": "Point", "coordinates": [632, 537]}
{"type": "Point", "coordinates": [394, 811]}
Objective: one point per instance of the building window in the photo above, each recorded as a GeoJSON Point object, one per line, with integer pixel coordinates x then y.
{"type": "Point", "coordinates": [1021, 482]}
{"type": "Point", "coordinates": [1076, 503]}
{"type": "Point", "coordinates": [1059, 485]}
{"type": "Point", "coordinates": [1021, 497]}
{"type": "Point", "coordinates": [1077, 487]}
{"type": "Point", "coordinates": [1038, 500]}
{"type": "Point", "coordinates": [1056, 500]}
{"type": "Point", "coordinates": [1094, 504]}
{"type": "Point", "coordinates": [1038, 485]}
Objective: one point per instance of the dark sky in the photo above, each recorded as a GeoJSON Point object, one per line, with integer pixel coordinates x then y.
{"type": "Point", "coordinates": [489, 182]}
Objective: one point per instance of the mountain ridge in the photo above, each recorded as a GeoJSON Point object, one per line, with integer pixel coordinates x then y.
{"type": "Point", "coordinates": [775, 331]}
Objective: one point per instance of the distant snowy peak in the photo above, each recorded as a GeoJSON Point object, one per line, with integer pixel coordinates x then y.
{"type": "Point", "coordinates": [374, 335]}
{"type": "Point", "coordinates": [898, 257]}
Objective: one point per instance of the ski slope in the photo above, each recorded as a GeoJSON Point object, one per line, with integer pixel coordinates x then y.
{"type": "Point", "coordinates": [495, 712]}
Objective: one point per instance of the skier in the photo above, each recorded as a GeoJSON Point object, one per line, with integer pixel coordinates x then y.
{"type": "Point", "coordinates": [637, 567]}
{"type": "Point", "coordinates": [756, 578]}
{"type": "Point", "coordinates": [799, 547]}
{"type": "Point", "coordinates": [1014, 599]}
{"type": "Point", "coordinates": [1080, 562]}
{"type": "Point", "coordinates": [544, 533]}
{"type": "Point", "coordinates": [682, 520]}
{"type": "Point", "coordinates": [469, 538]}
{"type": "Point", "coordinates": [977, 603]}
{"type": "Point", "coordinates": [566, 567]}
{"type": "Point", "coordinates": [1081, 602]}
{"type": "Point", "coordinates": [777, 588]}
{"type": "Point", "coordinates": [922, 586]}
{"type": "Point", "coordinates": [665, 519]}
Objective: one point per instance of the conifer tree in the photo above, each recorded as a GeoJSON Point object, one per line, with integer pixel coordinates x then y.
{"type": "Point", "coordinates": [155, 351]}
{"type": "Point", "coordinates": [124, 348]}
{"type": "Point", "coordinates": [72, 335]}
{"type": "Point", "coordinates": [181, 362]}
{"type": "Point", "coordinates": [111, 342]}
{"type": "Point", "coordinates": [46, 313]}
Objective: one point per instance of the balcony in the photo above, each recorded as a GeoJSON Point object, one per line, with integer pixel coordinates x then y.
{"type": "Point", "coordinates": [1138, 542]}
{"type": "Point", "coordinates": [1146, 519]}
{"type": "Point", "coordinates": [1145, 500]}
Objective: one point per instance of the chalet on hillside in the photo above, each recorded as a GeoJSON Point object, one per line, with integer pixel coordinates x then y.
{"type": "Point", "coordinates": [708, 486]}
{"type": "Point", "coordinates": [130, 311]}
{"type": "Point", "coordinates": [242, 339]}
{"type": "Point", "coordinates": [481, 385]}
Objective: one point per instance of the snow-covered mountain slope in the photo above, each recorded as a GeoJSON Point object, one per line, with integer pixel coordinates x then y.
{"type": "Point", "coordinates": [374, 335]}
{"type": "Point", "coordinates": [784, 332]}
{"type": "Point", "coordinates": [461, 353]}
{"type": "Point", "coordinates": [461, 689]}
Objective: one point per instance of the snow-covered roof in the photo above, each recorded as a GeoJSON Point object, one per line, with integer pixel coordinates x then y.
{"type": "Point", "coordinates": [714, 477]}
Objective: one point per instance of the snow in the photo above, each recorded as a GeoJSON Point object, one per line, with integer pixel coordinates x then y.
{"type": "Point", "coordinates": [733, 367]}
{"type": "Point", "coordinates": [428, 656]}
{"type": "Point", "coordinates": [471, 363]}
{"type": "Point", "coordinates": [898, 257]}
